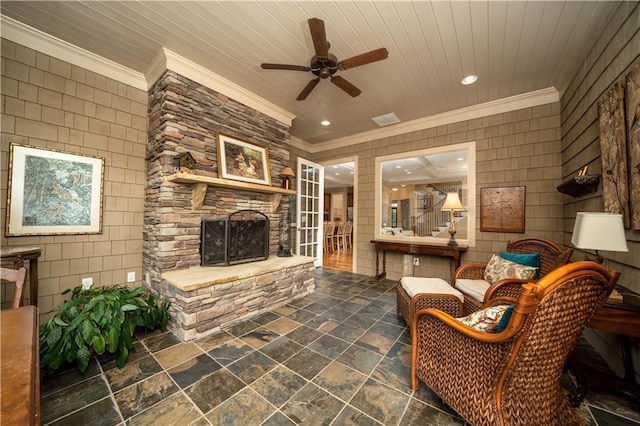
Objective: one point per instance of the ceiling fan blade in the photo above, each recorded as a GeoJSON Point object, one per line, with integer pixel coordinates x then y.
{"type": "Point", "coordinates": [307, 89]}
{"type": "Point", "coordinates": [345, 85]}
{"type": "Point", "coordinates": [285, 67]}
{"type": "Point", "coordinates": [363, 59]}
{"type": "Point", "coordinates": [319, 37]}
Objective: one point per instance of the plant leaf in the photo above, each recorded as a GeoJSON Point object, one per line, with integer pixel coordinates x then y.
{"type": "Point", "coordinates": [53, 337]}
{"type": "Point", "coordinates": [59, 321]}
{"type": "Point", "coordinates": [83, 359]}
{"type": "Point", "coordinates": [112, 340]}
{"type": "Point", "coordinates": [128, 307]}
{"type": "Point", "coordinates": [98, 344]}
{"type": "Point", "coordinates": [122, 356]}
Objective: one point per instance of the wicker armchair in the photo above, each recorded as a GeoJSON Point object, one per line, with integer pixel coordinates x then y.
{"type": "Point", "coordinates": [512, 377]}
{"type": "Point", "coordinates": [551, 257]}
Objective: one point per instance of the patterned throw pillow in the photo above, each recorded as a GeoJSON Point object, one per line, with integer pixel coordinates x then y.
{"type": "Point", "coordinates": [498, 269]}
{"type": "Point", "coordinates": [486, 319]}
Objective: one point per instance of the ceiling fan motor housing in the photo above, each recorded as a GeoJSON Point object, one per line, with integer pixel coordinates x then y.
{"type": "Point", "coordinates": [324, 67]}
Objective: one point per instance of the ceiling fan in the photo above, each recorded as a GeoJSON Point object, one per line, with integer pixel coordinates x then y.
{"type": "Point", "coordinates": [324, 65]}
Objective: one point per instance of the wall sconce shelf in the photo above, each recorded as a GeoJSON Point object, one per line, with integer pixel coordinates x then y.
{"type": "Point", "coordinates": [580, 185]}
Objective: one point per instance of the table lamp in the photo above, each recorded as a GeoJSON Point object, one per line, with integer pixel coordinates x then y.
{"type": "Point", "coordinates": [599, 231]}
{"type": "Point", "coordinates": [452, 204]}
{"type": "Point", "coordinates": [286, 174]}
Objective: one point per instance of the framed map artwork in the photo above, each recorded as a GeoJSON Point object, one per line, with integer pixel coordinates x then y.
{"type": "Point", "coordinates": [53, 192]}
{"type": "Point", "coordinates": [502, 209]}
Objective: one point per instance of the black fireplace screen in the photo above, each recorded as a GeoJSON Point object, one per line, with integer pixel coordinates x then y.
{"type": "Point", "coordinates": [241, 237]}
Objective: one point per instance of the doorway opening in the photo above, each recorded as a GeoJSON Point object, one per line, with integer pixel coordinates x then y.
{"type": "Point", "coordinates": [339, 214]}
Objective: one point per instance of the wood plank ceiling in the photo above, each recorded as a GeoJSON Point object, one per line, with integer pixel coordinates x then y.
{"type": "Point", "coordinates": [513, 47]}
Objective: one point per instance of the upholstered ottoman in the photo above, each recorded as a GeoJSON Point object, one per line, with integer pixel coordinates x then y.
{"type": "Point", "coordinates": [415, 293]}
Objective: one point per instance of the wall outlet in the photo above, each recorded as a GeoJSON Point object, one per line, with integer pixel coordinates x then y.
{"type": "Point", "coordinates": [87, 283]}
{"type": "Point", "coordinates": [131, 277]}
{"type": "Point", "coordinates": [416, 261]}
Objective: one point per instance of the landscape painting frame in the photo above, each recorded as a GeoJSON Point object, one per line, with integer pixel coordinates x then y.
{"type": "Point", "coordinates": [53, 192]}
{"type": "Point", "coordinates": [242, 160]}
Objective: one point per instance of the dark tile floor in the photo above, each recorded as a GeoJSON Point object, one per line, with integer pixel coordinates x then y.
{"type": "Point", "coordinates": [339, 356]}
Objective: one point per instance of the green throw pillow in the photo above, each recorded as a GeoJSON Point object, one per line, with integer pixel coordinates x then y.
{"type": "Point", "coordinates": [504, 319]}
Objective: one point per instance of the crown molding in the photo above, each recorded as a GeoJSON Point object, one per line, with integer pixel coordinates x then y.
{"type": "Point", "coordinates": [167, 59]}
{"type": "Point", "coordinates": [499, 106]}
{"type": "Point", "coordinates": [32, 38]}
{"type": "Point", "coordinates": [300, 144]}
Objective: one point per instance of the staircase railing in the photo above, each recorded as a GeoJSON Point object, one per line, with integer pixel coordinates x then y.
{"type": "Point", "coordinates": [426, 223]}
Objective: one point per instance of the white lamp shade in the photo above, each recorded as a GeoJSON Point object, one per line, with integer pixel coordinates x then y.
{"type": "Point", "coordinates": [452, 202]}
{"type": "Point", "coordinates": [599, 231]}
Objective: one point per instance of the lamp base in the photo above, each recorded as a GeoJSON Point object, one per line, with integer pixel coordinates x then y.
{"type": "Point", "coordinates": [452, 240]}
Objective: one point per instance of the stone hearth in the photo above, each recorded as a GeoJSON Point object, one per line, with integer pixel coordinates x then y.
{"type": "Point", "coordinates": [206, 299]}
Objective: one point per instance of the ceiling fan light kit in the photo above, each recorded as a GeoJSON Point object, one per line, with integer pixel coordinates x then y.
{"type": "Point", "coordinates": [324, 65]}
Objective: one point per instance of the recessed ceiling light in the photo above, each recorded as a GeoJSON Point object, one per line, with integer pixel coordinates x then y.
{"type": "Point", "coordinates": [408, 173]}
{"type": "Point", "coordinates": [325, 122]}
{"type": "Point", "coordinates": [337, 174]}
{"type": "Point", "coordinates": [350, 173]}
{"type": "Point", "coordinates": [394, 189]}
{"type": "Point", "coordinates": [335, 167]}
{"type": "Point", "coordinates": [398, 167]}
{"type": "Point", "coordinates": [460, 159]}
{"type": "Point", "coordinates": [470, 79]}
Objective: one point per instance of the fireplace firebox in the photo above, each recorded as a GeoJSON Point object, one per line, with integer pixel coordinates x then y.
{"type": "Point", "coordinates": [240, 237]}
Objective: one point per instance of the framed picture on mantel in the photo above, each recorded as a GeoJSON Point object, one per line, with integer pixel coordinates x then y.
{"type": "Point", "coordinates": [242, 160]}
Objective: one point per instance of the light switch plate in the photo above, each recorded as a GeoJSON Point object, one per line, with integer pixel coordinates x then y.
{"type": "Point", "coordinates": [131, 277]}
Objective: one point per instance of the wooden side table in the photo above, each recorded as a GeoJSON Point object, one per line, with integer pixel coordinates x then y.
{"type": "Point", "coordinates": [619, 316]}
{"type": "Point", "coordinates": [17, 255]}
{"type": "Point", "coordinates": [443, 250]}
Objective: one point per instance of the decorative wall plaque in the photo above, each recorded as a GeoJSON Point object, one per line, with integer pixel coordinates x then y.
{"type": "Point", "coordinates": [502, 209]}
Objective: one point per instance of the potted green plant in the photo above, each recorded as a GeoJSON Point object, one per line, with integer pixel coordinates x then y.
{"type": "Point", "coordinates": [101, 319]}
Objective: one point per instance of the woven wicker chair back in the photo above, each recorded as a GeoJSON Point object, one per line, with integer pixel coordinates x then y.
{"type": "Point", "coordinates": [551, 254]}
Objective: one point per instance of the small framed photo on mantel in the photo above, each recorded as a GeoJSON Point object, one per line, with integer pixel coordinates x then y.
{"type": "Point", "coordinates": [242, 160]}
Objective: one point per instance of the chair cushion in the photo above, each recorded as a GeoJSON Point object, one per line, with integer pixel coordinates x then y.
{"type": "Point", "coordinates": [498, 269]}
{"type": "Point", "coordinates": [486, 319]}
{"type": "Point", "coordinates": [418, 285]}
{"type": "Point", "coordinates": [473, 288]}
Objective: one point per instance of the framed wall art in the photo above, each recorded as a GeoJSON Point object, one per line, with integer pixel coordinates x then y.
{"type": "Point", "coordinates": [633, 143]}
{"type": "Point", "coordinates": [242, 160]}
{"type": "Point", "coordinates": [53, 192]}
{"type": "Point", "coordinates": [613, 152]}
{"type": "Point", "coordinates": [502, 209]}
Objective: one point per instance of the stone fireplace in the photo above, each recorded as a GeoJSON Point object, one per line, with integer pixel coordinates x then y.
{"type": "Point", "coordinates": [185, 116]}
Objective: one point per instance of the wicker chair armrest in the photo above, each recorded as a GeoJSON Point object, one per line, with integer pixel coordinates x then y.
{"type": "Point", "coordinates": [462, 329]}
{"type": "Point", "coordinates": [509, 287]}
{"type": "Point", "coordinates": [472, 271]}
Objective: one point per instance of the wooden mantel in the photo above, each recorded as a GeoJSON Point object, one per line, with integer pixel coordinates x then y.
{"type": "Point", "coordinates": [200, 184]}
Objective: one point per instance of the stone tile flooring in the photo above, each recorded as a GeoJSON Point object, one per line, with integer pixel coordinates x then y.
{"type": "Point", "coordinates": [338, 356]}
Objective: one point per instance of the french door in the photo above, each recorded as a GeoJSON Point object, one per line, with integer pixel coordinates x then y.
{"type": "Point", "coordinates": [309, 219]}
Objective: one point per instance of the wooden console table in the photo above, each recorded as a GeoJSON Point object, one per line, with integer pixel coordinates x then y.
{"type": "Point", "coordinates": [17, 256]}
{"type": "Point", "coordinates": [620, 317]}
{"type": "Point", "coordinates": [453, 252]}
{"type": "Point", "coordinates": [19, 366]}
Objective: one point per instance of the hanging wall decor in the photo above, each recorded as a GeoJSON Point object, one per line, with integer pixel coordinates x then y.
{"type": "Point", "coordinates": [502, 209]}
{"type": "Point", "coordinates": [613, 152]}
{"type": "Point", "coordinates": [633, 143]}
{"type": "Point", "coordinates": [53, 192]}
